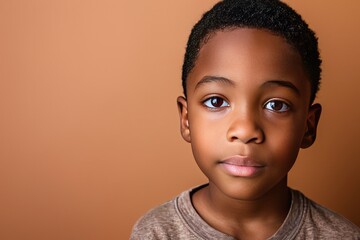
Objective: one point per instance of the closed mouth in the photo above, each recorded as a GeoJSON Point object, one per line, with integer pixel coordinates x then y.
{"type": "Point", "coordinates": [243, 161]}
{"type": "Point", "coordinates": [239, 166]}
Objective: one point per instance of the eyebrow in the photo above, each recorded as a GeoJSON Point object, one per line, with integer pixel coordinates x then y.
{"type": "Point", "coordinates": [226, 81]}
{"type": "Point", "coordinates": [209, 79]}
{"type": "Point", "coordinates": [282, 83]}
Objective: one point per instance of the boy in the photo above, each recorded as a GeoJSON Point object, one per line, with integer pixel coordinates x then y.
{"type": "Point", "coordinates": [250, 76]}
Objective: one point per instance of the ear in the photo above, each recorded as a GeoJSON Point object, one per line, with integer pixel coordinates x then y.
{"type": "Point", "coordinates": [184, 121]}
{"type": "Point", "coordinates": [311, 125]}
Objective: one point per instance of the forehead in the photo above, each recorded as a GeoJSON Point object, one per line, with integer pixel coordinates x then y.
{"type": "Point", "coordinates": [249, 54]}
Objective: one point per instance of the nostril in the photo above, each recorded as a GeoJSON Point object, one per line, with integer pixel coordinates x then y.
{"type": "Point", "coordinates": [248, 140]}
{"type": "Point", "coordinates": [234, 138]}
{"type": "Point", "coordinates": [246, 133]}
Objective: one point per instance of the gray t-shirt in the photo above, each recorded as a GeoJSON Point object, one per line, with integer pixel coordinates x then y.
{"type": "Point", "coordinates": [177, 219]}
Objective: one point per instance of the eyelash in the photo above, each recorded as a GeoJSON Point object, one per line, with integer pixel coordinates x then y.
{"type": "Point", "coordinates": [285, 107]}
{"type": "Point", "coordinates": [211, 103]}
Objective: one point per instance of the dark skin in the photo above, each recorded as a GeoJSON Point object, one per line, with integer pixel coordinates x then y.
{"type": "Point", "coordinates": [258, 219]}
{"type": "Point", "coordinates": [246, 115]}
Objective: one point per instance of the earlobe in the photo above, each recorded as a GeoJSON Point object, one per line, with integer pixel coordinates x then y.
{"type": "Point", "coordinates": [184, 121]}
{"type": "Point", "coordinates": [311, 126]}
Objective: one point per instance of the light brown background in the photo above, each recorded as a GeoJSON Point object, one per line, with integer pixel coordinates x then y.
{"type": "Point", "coordinates": [89, 135]}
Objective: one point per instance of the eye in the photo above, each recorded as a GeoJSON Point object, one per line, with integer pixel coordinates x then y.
{"type": "Point", "coordinates": [215, 102]}
{"type": "Point", "coordinates": [277, 106]}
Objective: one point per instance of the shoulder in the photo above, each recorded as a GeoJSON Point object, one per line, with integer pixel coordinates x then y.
{"type": "Point", "coordinates": [162, 222]}
{"type": "Point", "coordinates": [323, 223]}
{"type": "Point", "coordinates": [155, 221]}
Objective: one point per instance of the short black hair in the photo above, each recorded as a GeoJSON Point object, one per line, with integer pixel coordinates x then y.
{"type": "Point", "coordinates": [272, 15]}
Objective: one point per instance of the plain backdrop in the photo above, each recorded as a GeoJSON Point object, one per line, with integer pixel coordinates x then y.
{"type": "Point", "coordinates": [89, 131]}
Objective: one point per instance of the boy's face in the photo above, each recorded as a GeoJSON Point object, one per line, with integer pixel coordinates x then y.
{"type": "Point", "coordinates": [247, 111]}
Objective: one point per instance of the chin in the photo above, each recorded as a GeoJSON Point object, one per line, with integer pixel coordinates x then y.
{"type": "Point", "coordinates": [248, 190]}
{"type": "Point", "coordinates": [243, 192]}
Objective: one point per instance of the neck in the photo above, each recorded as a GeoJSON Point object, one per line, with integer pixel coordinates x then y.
{"type": "Point", "coordinates": [239, 217]}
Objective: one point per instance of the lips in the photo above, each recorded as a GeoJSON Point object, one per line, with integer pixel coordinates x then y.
{"type": "Point", "coordinates": [240, 166]}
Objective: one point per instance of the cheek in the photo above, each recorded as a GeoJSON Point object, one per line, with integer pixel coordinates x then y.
{"type": "Point", "coordinates": [206, 127]}
{"type": "Point", "coordinates": [202, 150]}
{"type": "Point", "coordinates": [285, 140]}
{"type": "Point", "coordinates": [203, 139]}
{"type": "Point", "coordinates": [207, 137]}
{"type": "Point", "coordinates": [289, 130]}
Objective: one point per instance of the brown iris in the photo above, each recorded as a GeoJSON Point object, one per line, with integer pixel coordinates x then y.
{"type": "Point", "coordinates": [217, 102]}
{"type": "Point", "coordinates": [277, 105]}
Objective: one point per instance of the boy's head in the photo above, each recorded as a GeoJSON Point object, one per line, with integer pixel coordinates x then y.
{"type": "Point", "coordinates": [270, 15]}
{"type": "Point", "coordinates": [250, 75]}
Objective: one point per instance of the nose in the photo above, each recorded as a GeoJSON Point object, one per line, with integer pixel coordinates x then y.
{"type": "Point", "coordinates": [244, 127]}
